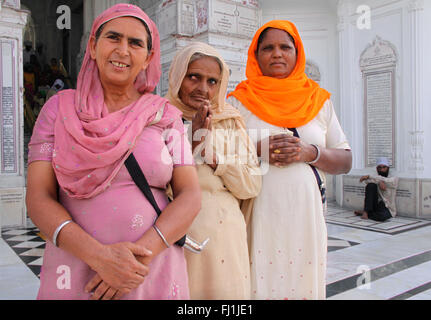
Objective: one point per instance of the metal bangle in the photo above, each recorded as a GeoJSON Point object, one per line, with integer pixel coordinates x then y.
{"type": "Point", "coordinates": [318, 154]}
{"type": "Point", "coordinates": [57, 231]}
{"type": "Point", "coordinates": [161, 235]}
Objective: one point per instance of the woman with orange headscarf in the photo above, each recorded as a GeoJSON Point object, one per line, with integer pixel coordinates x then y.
{"type": "Point", "coordinates": [299, 137]}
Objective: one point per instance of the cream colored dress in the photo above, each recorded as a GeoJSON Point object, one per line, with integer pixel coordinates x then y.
{"type": "Point", "coordinates": [221, 271]}
{"type": "Point", "coordinates": [288, 240]}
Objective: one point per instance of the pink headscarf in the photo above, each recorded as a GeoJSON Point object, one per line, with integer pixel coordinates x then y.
{"type": "Point", "coordinates": [92, 144]}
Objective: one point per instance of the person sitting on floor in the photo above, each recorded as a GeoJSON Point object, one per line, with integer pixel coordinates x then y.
{"type": "Point", "coordinates": [380, 193]}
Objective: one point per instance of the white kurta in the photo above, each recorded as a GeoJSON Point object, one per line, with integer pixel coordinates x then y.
{"type": "Point", "coordinates": [288, 240]}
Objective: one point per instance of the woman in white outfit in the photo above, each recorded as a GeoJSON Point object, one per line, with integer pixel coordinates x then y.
{"type": "Point", "coordinates": [287, 231]}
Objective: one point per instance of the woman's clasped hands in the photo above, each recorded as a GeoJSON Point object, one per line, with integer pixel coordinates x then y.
{"type": "Point", "coordinates": [201, 123]}
{"type": "Point", "coordinates": [120, 268]}
{"type": "Point", "coordinates": [285, 149]}
{"type": "Point", "coordinates": [201, 127]}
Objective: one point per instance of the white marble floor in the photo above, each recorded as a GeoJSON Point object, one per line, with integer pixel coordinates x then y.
{"type": "Point", "coordinates": [345, 217]}
{"type": "Point", "coordinates": [381, 266]}
{"type": "Point", "coordinates": [17, 281]}
{"type": "Point", "coordinates": [362, 265]}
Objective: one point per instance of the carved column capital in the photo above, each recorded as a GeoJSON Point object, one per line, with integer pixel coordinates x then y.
{"type": "Point", "coordinates": [343, 8]}
{"type": "Point", "coordinates": [416, 5]}
{"type": "Point", "coordinates": [417, 147]}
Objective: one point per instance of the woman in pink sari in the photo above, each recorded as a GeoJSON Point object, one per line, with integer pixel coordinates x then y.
{"type": "Point", "coordinates": [105, 239]}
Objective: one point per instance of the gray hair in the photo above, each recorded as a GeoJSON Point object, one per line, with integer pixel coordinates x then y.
{"type": "Point", "coordinates": [199, 55]}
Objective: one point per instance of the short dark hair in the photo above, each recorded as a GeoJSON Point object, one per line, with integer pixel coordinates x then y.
{"type": "Point", "coordinates": [263, 34]}
{"type": "Point", "coordinates": [149, 38]}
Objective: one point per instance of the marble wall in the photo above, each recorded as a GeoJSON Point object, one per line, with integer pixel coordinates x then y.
{"type": "Point", "coordinates": [225, 24]}
{"type": "Point", "coordinates": [426, 61]}
{"type": "Point", "coordinates": [400, 24]}
{"type": "Point", "coordinates": [12, 180]}
{"type": "Point", "coordinates": [413, 198]}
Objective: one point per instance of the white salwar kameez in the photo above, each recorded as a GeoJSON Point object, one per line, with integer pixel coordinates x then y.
{"type": "Point", "coordinates": [288, 236]}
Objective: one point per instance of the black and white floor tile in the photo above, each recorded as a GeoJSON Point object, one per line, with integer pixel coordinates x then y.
{"type": "Point", "coordinates": [335, 244]}
{"type": "Point", "coordinates": [28, 244]}
{"type": "Point", "coordinates": [391, 266]}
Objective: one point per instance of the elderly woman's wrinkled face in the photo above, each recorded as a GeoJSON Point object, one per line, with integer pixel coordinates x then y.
{"type": "Point", "coordinates": [201, 82]}
{"type": "Point", "coordinates": [276, 54]}
{"type": "Point", "coordinates": [121, 51]}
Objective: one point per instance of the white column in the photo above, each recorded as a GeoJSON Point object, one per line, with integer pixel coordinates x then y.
{"type": "Point", "coordinates": [88, 16]}
{"type": "Point", "coordinates": [12, 176]}
{"type": "Point", "coordinates": [87, 23]}
{"type": "Point", "coordinates": [226, 25]}
{"type": "Point", "coordinates": [345, 85]}
{"type": "Point", "coordinates": [102, 5]}
{"type": "Point", "coordinates": [415, 9]}
{"type": "Point", "coordinates": [345, 67]}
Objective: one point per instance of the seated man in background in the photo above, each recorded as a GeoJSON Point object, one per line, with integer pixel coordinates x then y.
{"type": "Point", "coordinates": [380, 193]}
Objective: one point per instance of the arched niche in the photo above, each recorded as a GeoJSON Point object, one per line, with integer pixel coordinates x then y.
{"type": "Point", "coordinates": [312, 71]}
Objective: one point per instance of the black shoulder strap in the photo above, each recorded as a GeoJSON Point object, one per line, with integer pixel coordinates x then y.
{"type": "Point", "coordinates": [138, 177]}
{"type": "Point", "coordinates": [316, 173]}
{"type": "Point", "coordinates": [140, 180]}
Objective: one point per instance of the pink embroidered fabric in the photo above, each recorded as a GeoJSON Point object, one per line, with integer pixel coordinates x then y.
{"type": "Point", "coordinates": [102, 140]}
{"type": "Point", "coordinates": [87, 147]}
{"type": "Point", "coordinates": [120, 213]}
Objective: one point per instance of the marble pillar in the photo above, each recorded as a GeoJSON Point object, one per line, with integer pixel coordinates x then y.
{"type": "Point", "coordinates": [224, 24]}
{"type": "Point", "coordinates": [415, 12]}
{"type": "Point", "coordinates": [345, 84]}
{"type": "Point", "coordinates": [12, 177]}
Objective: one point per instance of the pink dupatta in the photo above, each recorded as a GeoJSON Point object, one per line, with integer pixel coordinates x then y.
{"type": "Point", "coordinates": [92, 144]}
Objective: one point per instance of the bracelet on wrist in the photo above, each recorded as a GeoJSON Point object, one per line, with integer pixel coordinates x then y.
{"type": "Point", "coordinates": [318, 154]}
{"type": "Point", "coordinates": [161, 235]}
{"type": "Point", "coordinates": [57, 231]}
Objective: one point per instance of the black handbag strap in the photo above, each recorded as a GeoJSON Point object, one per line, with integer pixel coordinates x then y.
{"type": "Point", "coordinates": [320, 184]}
{"type": "Point", "coordinates": [138, 177]}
